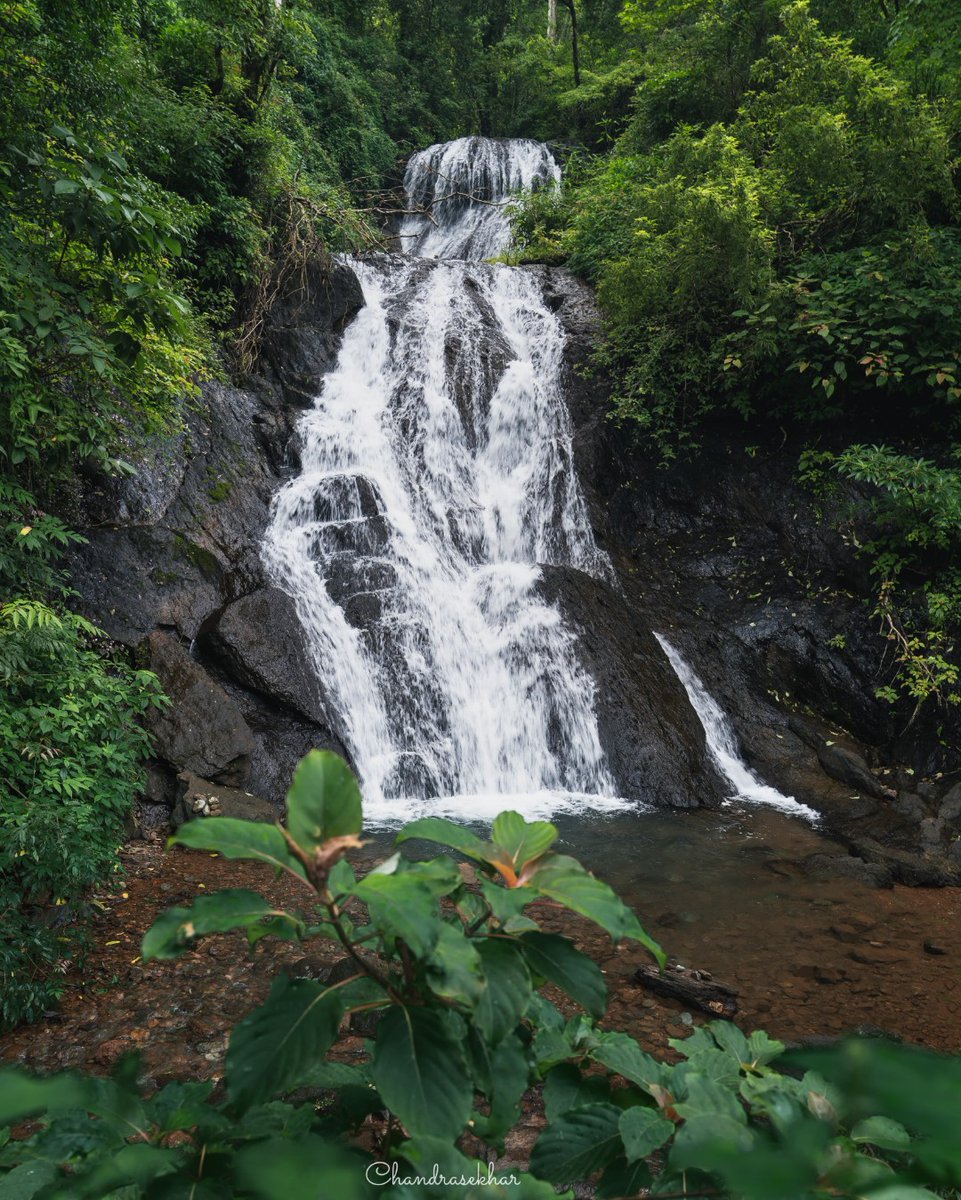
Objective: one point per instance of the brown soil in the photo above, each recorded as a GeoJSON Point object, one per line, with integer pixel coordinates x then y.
{"type": "Point", "coordinates": [865, 967]}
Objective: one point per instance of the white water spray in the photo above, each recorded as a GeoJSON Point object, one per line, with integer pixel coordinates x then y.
{"type": "Point", "coordinates": [436, 477]}
{"type": "Point", "coordinates": [722, 743]}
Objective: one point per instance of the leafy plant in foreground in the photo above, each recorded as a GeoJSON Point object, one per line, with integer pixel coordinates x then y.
{"type": "Point", "coordinates": [454, 970]}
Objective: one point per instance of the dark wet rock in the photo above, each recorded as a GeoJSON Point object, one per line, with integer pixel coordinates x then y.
{"type": "Point", "coordinates": [260, 642]}
{"type": "Point", "coordinates": [204, 798]}
{"type": "Point", "coordinates": [930, 831]}
{"type": "Point", "coordinates": [282, 739]}
{"type": "Point", "coordinates": [847, 766]}
{"type": "Point", "coordinates": [930, 947]}
{"type": "Point", "coordinates": [652, 737]}
{"type": "Point", "coordinates": [178, 545]}
{"type": "Point", "coordinates": [916, 870]}
{"type": "Point", "coordinates": [911, 806]}
{"type": "Point", "coordinates": [949, 810]}
{"type": "Point", "coordinates": [304, 329]}
{"type": "Point", "coordinates": [203, 730]}
{"type": "Point", "coordinates": [830, 866]}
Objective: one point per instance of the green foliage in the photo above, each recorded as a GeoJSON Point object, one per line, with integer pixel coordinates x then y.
{"type": "Point", "coordinates": [910, 529]}
{"type": "Point", "coordinates": [70, 756]}
{"type": "Point", "coordinates": [869, 328]}
{"type": "Point", "coordinates": [462, 1032]}
{"type": "Point", "coordinates": [791, 226]}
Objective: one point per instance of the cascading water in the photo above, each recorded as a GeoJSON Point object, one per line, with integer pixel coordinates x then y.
{"type": "Point", "coordinates": [464, 185]}
{"type": "Point", "coordinates": [437, 475]}
{"type": "Point", "coordinates": [722, 743]}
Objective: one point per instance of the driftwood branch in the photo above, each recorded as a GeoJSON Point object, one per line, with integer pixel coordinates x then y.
{"type": "Point", "coordinates": [697, 989]}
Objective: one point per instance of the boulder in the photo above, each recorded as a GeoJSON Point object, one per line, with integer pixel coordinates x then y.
{"type": "Point", "coordinates": [652, 737]}
{"type": "Point", "coordinates": [849, 767]}
{"type": "Point", "coordinates": [830, 866]}
{"type": "Point", "coordinates": [916, 870]}
{"type": "Point", "coordinates": [203, 798]}
{"type": "Point", "coordinates": [203, 730]}
{"type": "Point", "coordinates": [259, 641]}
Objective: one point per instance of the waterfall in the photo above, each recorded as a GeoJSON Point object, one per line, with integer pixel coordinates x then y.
{"type": "Point", "coordinates": [722, 743]}
{"type": "Point", "coordinates": [465, 185]}
{"type": "Point", "coordinates": [437, 476]}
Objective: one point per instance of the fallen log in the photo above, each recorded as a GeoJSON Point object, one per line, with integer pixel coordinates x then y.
{"type": "Point", "coordinates": [696, 989]}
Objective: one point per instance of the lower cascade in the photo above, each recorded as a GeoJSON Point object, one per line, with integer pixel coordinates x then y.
{"type": "Point", "coordinates": [436, 478]}
{"type": "Point", "coordinates": [722, 744]}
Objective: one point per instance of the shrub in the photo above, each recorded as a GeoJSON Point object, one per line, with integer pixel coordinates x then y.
{"type": "Point", "coordinates": [71, 751]}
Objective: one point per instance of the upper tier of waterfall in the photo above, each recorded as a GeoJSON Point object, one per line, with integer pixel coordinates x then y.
{"type": "Point", "coordinates": [459, 190]}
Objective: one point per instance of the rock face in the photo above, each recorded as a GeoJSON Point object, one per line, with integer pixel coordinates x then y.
{"type": "Point", "coordinates": [203, 730]}
{"type": "Point", "coordinates": [172, 568]}
{"type": "Point", "coordinates": [258, 640]}
{"type": "Point", "coordinates": [652, 738]}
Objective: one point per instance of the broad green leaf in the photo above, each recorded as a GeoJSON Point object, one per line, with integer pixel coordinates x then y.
{"type": "Point", "coordinates": [280, 1168]}
{"type": "Point", "coordinates": [917, 1088]}
{"type": "Point", "coordinates": [23, 1096]}
{"type": "Point", "coordinates": [903, 1191]}
{"type": "Point", "coordinates": [522, 840]}
{"type": "Point", "coordinates": [337, 1075]}
{"type": "Point", "coordinates": [137, 1165]}
{"type": "Point", "coordinates": [435, 1157]}
{"type": "Point", "coordinates": [507, 905]}
{"type": "Point", "coordinates": [550, 1048]}
{"type": "Point", "coordinates": [620, 1053]}
{"type": "Point", "coordinates": [507, 989]}
{"type": "Point", "coordinates": [567, 1087]}
{"type": "Point", "coordinates": [323, 801]}
{"type": "Point", "coordinates": [273, 1048]}
{"type": "Point", "coordinates": [25, 1181]}
{"type": "Point", "coordinates": [713, 1129]}
{"type": "Point", "coordinates": [622, 1178]}
{"type": "Point", "coordinates": [762, 1049]}
{"type": "Point", "coordinates": [454, 967]}
{"type": "Point", "coordinates": [342, 877]}
{"type": "Point", "coordinates": [418, 1067]}
{"type": "Point", "coordinates": [441, 874]}
{"type": "Point", "coordinates": [751, 1167]}
{"type": "Point", "coordinates": [510, 1071]}
{"type": "Point", "coordinates": [565, 880]}
{"type": "Point", "coordinates": [480, 1181]}
{"type": "Point", "coordinates": [715, 1064]}
{"type": "Point", "coordinates": [881, 1132]}
{"type": "Point", "coordinates": [577, 1144]}
{"type": "Point", "coordinates": [706, 1097]}
{"type": "Point", "coordinates": [730, 1038]}
{"type": "Point", "coordinates": [445, 833]}
{"type": "Point", "coordinates": [402, 906]}
{"type": "Point", "coordinates": [643, 1131]}
{"type": "Point", "coordinates": [234, 908]}
{"type": "Point", "coordinates": [558, 959]}
{"type": "Point", "coordinates": [238, 839]}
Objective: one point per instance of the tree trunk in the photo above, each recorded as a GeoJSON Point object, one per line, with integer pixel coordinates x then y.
{"type": "Point", "coordinates": [575, 51]}
{"type": "Point", "coordinates": [552, 20]}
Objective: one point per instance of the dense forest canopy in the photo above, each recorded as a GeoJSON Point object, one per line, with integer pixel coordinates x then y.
{"type": "Point", "coordinates": [765, 194]}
